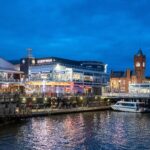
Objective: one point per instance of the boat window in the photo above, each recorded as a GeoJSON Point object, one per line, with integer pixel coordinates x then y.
{"type": "Point", "coordinates": [128, 104]}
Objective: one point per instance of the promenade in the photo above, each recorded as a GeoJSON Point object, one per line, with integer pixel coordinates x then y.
{"type": "Point", "coordinates": [43, 112]}
{"type": "Point", "coordinates": [23, 115]}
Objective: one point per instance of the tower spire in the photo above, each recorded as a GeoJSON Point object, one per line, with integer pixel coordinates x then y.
{"type": "Point", "coordinates": [140, 53]}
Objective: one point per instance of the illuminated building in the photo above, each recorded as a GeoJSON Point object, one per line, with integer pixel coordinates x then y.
{"type": "Point", "coordinates": [140, 88]}
{"type": "Point", "coordinates": [10, 77]}
{"type": "Point", "coordinates": [62, 76]}
{"type": "Point", "coordinates": [120, 80]}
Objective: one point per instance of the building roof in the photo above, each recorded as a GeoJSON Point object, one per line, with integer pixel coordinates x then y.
{"type": "Point", "coordinates": [6, 66]}
{"type": "Point", "coordinates": [15, 62]}
{"type": "Point", "coordinates": [118, 74]}
{"type": "Point", "coordinates": [121, 74]}
{"type": "Point", "coordinates": [98, 65]}
{"type": "Point", "coordinates": [69, 61]}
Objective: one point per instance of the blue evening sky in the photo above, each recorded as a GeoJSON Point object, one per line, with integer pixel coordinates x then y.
{"type": "Point", "coordinates": [111, 31]}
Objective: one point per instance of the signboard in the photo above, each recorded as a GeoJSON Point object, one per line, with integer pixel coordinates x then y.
{"type": "Point", "coordinates": [43, 61]}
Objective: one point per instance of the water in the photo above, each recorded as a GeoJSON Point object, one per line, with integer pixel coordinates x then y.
{"type": "Point", "coordinates": [103, 130]}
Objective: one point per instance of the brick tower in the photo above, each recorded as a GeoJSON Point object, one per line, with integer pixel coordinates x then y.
{"type": "Point", "coordinates": [139, 65]}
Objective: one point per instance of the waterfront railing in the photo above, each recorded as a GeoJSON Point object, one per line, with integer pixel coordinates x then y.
{"type": "Point", "coordinates": [132, 95]}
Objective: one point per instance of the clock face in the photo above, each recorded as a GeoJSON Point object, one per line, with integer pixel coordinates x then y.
{"type": "Point", "coordinates": [137, 64]}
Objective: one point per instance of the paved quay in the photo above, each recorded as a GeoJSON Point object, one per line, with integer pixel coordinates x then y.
{"type": "Point", "coordinates": [46, 112]}
{"type": "Point", "coordinates": [29, 113]}
{"type": "Point", "coordinates": [4, 120]}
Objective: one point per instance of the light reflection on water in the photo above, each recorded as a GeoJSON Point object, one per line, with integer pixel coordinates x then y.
{"type": "Point", "coordinates": [104, 130]}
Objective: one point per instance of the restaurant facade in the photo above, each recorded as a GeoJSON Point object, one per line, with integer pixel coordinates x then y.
{"type": "Point", "coordinates": [56, 76]}
{"type": "Point", "coordinates": [11, 79]}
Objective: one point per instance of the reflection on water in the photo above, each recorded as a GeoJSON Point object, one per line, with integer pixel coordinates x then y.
{"type": "Point", "coordinates": [104, 130]}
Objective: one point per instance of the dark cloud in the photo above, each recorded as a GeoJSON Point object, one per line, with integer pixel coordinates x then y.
{"type": "Point", "coordinates": [111, 31]}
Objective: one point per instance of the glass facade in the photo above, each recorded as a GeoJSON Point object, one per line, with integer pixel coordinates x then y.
{"type": "Point", "coordinates": [59, 76]}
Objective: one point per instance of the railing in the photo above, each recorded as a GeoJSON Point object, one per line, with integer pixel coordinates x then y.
{"type": "Point", "coordinates": [142, 95]}
{"type": "Point", "coordinates": [9, 80]}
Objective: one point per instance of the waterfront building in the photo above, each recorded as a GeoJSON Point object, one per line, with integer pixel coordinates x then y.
{"type": "Point", "coordinates": [10, 77]}
{"type": "Point", "coordinates": [11, 83]}
{"type": "Point", "coordinates": [120, 80]}
{"type": "Point", "coordinates": [57, 76]}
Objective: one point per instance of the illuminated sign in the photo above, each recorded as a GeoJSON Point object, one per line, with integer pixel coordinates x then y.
{"type": "Point", "coordinates": [43, 61]}
{"type": "Point", "coordinates": [44, 76]}
{"type": "Point", "coordinates": [88, 78]}
{"type": "Point", "coordinates": [59, 71]}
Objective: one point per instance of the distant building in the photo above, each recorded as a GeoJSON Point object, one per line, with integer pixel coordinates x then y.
{"type": "Point", "coordinates": [140, 88]}
{"type": "Point", "coordinates": [57, 76]}
{"type": "Point", "coordinates": [120, 80]}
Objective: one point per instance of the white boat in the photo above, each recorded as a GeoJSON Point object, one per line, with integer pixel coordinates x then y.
{"type": "Point", "coordinates": [130, 106]}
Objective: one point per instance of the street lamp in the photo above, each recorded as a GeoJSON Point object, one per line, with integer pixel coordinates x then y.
{"type": "Point", "coordinates": [34, 99]}
{"type": "Point", "coordinates": [24, 100]}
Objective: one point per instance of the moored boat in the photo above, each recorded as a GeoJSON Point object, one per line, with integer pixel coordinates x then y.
{"type": "Point", "coordinates": [130, 106]}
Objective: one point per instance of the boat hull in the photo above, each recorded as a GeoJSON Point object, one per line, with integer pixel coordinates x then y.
{"type": "Point", "coordinates": [127, 109]}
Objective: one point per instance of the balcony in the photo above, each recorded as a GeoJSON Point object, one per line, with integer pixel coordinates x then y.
{"type": "Point", "coordinates": [4, 80]}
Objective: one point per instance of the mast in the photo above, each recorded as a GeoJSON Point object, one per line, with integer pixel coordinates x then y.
{"type": "Point", "coordinates": [29, 52]}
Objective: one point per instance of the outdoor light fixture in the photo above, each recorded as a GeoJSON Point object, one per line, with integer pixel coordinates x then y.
{"type": "Point", "coordinates": [45, 99]}
{"type": "Point", "coordinates": [96, 97]}
{"type": "Point", "coordinates": [24, 100]}
{"type": "Point", "coordinates": [34, 99]}
{"type": "Point", "coordinates": [81, 98]}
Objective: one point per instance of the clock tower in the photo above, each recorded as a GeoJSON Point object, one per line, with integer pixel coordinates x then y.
{"type": "Point", "coordinates": [139, 65]}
